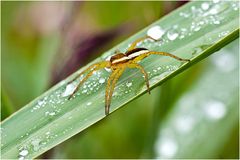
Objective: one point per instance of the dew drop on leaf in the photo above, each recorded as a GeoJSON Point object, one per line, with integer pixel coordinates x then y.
{"type": "Point", "coordinates": [89, 103]}
{"type": "Point", "coordinates": [129, 84]}
{"type": "Point", "coordinates": [23, 152]}
{"type": "Point", "coordinates": [36, 144]}
{"type": "Point", "coordinates": [156, 32]}
{"type": "Point", "coordinates": [205, 6]}
{"type": "Point", "coordinates": [101, 80]}
{"type": "Point", "coordinates": [69, 90]}
{"type": "Point", "coordinates": [172, 35]}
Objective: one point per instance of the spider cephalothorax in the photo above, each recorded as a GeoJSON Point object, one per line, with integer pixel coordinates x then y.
{"type": "Point", "coordinates": [118, 63]}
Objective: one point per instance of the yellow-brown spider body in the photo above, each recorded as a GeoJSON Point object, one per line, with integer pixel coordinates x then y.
{"type": "Point", "coordinates": [118, 63]}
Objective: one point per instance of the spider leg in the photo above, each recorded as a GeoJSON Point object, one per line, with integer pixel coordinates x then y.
{"type": "Point", "coordinates": [133, 45]}
{"type": "Point", "coordinates": [84, 71]}
{"type": "Point", "coordinates": [115, 78]}
{"type": "Point", "coordinates": [139, 58]}
{"type": "Point", "coordinates": [138, 66]}
{"type": "Point", "coordinates": [108, 87]}
{"type": "Point", "coordinates": [92, 68]}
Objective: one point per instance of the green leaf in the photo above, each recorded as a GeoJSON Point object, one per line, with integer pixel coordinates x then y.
{"type": "Point", "coordinates": [194, 31]}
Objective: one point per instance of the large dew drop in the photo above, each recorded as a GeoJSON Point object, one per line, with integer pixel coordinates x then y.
{"type": "Point", "coordinates": [69, 90]}
{"type": "Point", "coordinates": [156, 32]}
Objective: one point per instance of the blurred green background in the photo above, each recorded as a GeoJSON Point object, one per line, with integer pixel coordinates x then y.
{"type": "Point", "coordinates": [44, 42]}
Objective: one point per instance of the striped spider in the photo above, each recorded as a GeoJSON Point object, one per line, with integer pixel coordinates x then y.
{"type": "Point", "coordinates": [118, 63]}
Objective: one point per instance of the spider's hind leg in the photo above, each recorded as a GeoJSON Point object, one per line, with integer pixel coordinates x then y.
{"type": "Point", "coordinates": [168, 54]}
{"type": "Point", "coordinates": [142, 56]}
{"type": "Point", "coordinates": [138, 66]}
{"type": "Point", "coordinates": [134, 44]}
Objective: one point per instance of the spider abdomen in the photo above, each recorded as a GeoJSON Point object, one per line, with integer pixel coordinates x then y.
{"type": "Point", "coordinates": [129, 55]}
{"type": "Point", "coordinates": [119, 58]}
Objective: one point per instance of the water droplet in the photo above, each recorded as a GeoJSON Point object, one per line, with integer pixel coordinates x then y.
{"type": "Point", "coordinates": [216, 22]}
{"type": "Point", "coordinates": [201, 48]}
{"type": "Point", "coordinates": [205, 6]}
{"type": "Point", "coordinates": [167, 147]}
{"type": "Point", "coordinates": [156, 32]}
{"type": "Point", "coordinates": [21, 158]}
{"type": "Point", "coordinates": [218, 8]}
{"type": "Point", "coordinates": [215, 109]}
{"type": "Point", "coordinates": [84, 91]}
{"type": "Point", "coordinates": [129, 84]}
{"type": "Point", "coordinates": [49, 113]}
{"type": "Point", "coordinates": [195, 26]}
{"type": "Point", "coordinates": [52, 113]}
{"type": "Point", "coordinates": [223, 34]}
{"type": "Point", "coordinates": [35, 144]}
{"type": "Point", "coordinates": [41, 102]}
{"type": "Point", "coordinates": [184, 14]}
{"type": "Point", "coordinates": [172, 35]}
{"type": "Point", "coordinates": [101, 80]}
{"type": "Point", "coordinates": [69, 90]}
{"type": "Point", "coordinates": [213, 11]}
{"type": "Point", "coordinates": [235, 6]}
{"type": "Point", "coordinates": [108, 69]}
{"type": "Point", "coordinates": [23, 153]}
{"type": "Point", "coordinates": [89, 103]}
{"type": "Point", "coordinates": [157, 78]}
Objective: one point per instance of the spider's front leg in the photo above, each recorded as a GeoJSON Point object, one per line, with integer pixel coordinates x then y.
{"type": "Point", "coordinates": [134, 44]}
{"type": "Point", "coordinates": [83, 72]}
{"type": "Point", "coordinates": [91, 69]}
{"type": "Point", "coordinates": [110, 87]}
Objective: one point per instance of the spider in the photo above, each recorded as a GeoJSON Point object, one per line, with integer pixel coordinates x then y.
{"type": "Point", "coordinates": [118, 63]}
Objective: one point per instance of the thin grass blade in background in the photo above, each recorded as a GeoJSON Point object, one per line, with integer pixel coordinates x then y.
{"type": "Point", "coordinates": [203, 118]}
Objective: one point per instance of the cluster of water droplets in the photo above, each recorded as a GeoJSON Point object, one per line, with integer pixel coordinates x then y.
{"type": "Point", "coordinates": [54, 101]}
{"type": "Point", "coordinates": [37, 143]}
{"type": "Point", "coordinates": [51, 105]}
{"type": "Point", "coordinates": [206, 14]}
{"type": "Point", "coordinates": [123, 89]}
{"type": "Point", "coordinates": [22, 154]}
